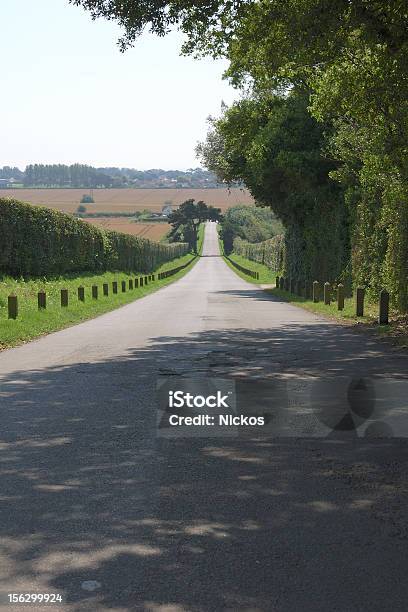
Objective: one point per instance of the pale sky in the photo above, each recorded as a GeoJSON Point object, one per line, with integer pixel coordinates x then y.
{"type": "Point", "coordinates": [68, 95]}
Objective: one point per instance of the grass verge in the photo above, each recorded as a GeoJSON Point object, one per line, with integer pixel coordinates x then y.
{"type": "Point", "coordinates": [266, 276]}
{"type": "Point", "coordinates": [396, 331]}
{"type": "Point", "coordinates": [32, 323]}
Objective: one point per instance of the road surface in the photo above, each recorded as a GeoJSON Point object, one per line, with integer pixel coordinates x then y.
{"type": "Point", "coordinates": [98, 506]}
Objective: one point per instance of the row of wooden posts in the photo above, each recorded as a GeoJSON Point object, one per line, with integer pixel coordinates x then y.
{"type": "Point", "coordinates": [130, 285]}
{"type": "Point", "coordinates": [247, 271]}
{"type": "Point", "coordinates": [316, 292]}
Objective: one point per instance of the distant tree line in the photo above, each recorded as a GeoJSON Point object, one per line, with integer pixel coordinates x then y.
{"type": "Point", "coordinates": [82, 175]}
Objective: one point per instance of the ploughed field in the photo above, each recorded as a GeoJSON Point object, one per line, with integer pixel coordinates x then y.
{"type": "Point", "coordinates": [153, 231]}
{"type": "Point", "coordinates": [128, 200]}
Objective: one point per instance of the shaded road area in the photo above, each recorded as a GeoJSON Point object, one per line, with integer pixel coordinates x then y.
{"type": "Point", "coordinates": [92, 498]}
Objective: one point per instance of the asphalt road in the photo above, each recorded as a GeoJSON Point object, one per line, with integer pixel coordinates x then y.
{"type": "Point", "coordinates": [302, 515]}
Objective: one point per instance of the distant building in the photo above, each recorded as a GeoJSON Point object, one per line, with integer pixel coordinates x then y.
{"type": "Point", "coordinates": [167, 210]}
{"type": "Point", "coordinates": [6, 183]}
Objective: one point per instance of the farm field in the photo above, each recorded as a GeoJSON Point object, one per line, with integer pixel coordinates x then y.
{"type": "Point", "coordinates": [128, 200]}
{"type": "Point", "coordinates": [152, 231]}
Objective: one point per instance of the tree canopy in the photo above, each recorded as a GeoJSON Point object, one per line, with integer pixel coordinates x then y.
{"type": "Point", "coordinates": [187, 218]}
{"type": "Point", "coordinates": [351, 57]}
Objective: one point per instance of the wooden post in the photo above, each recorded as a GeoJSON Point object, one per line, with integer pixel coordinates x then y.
{"type": "Point", "coordinates": [136, 283]}
{"type": "Point", "coordinates": [316, 291]}
{"type": "Point", "coordinates": [153, 277]}
{"type": "Point", "coordinates": [340, 296]}
{"type": "Point", "coordinates": [64, 298]}
{"type": "Point", "coordinates": [12, 306]}
{"type": "Point", "coordinates": [360, 302]}
{"type": "Point", "coordinates": [95, 292]}
{"type": "Point", "coordinates": [42, 300]}
{"type": "Point", "coordinates": [105, 289]}
{"type": "Point", "coordinates": [123, 286]}
{"type": "Point", "coordinates": [115, 286]}
{"type": "Point", "coordinates": [130, 284]}
{"type": "Point", "coordinates": [145, 280]}
{"type": "Point", "coordinates": [326, 293]}
{"type": "Point", "coordinates": [384, 307]}
{"type": "Point", "coordinates": [141, 281]}
{"type": "Point", "coordinates": [81, 294]}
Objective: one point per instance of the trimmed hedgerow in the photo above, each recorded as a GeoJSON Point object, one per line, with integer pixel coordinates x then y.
{"type": "Point", "coordinates": [39, 241]}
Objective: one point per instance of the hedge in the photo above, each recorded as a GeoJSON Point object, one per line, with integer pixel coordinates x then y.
{"type": "Point", "coordinates": [39, 241]}
{"type": "Point", "coordinates": [270, 252]}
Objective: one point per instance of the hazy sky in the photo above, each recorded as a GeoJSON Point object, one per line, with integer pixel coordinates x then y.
{"type": "Point", "coordinates": [68, 95]}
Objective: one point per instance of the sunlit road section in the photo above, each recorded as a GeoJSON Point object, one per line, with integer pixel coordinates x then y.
{"type": "Point", "coordinates": [97, 506]}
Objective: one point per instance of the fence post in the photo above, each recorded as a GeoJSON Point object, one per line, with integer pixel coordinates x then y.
{"type": "Point", "coordinates": [360, 302]}
{"type": "Point", "coordinates": [130, 284]}
{"type": "Point", "coordinates": [42, 300]}
{"type": "Point", "coordinates": [105, 289]}
{"type": "Point", "coordinates": [64, 298]}
{"type": "Point", "coordinates": [340, 296]}
{"type": "Point", "coordinates": [141, 281]}
{"type": "Point", "coordinates": [326, 293]}
{"type": "Point", "coordinates": [384, 307]}
{"type": "Point", "coordinates": [95, 292]}
{"type": "Point", "coordinates": [114, 286]}
{"type": "Point", "coordinates": [81, 294]}
{"type": "Point", "coordinates": [316, 291]}
{"type": "Point", "coordinates": [146, 280]}
{"type": "Point", "coordinates": [153, 277]}
{"type": "Point", "coordinates": [12, 306]}
{"type": "Point", "coordinates": [281, 283]}
{"type": "Point", "coordinates": [123, 286]}
{"type": "Point", "coordinates": [136, 283]}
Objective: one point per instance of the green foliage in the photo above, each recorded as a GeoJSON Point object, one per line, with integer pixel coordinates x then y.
{"type": "Point", "coordinates": [251, 223]}
{"type": "Point", "coordinates": [188, 217]}
{"type": "Point", "coordinates": [276, 148]}
{"type": "Point", "coordinates": [270, 253]}
{"type": "Point", "coordinates": [38, 241]}
{"type": "Point", "coordinates": [352, 56]}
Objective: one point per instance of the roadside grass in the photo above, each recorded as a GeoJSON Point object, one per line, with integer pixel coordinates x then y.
{"type": "Point", "coordinates": [32, 323]}
{"type": "Point", "coordinates": [266, 276]}
{"type": "Point", "coordinates": [396, 331]}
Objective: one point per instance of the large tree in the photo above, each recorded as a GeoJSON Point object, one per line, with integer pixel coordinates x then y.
{"type": "Point", "coordinates": [276, 148]}
{"type": "Point", "coordinates": [187, 218]}
{"type": "Point", "coordinates": [353, 57]}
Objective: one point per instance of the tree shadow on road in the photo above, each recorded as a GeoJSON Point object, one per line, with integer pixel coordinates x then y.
{"type": "Point", "coordinates": [90, 492]}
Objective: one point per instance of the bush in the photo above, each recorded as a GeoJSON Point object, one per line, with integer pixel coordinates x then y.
{"type": "Point", "coordinates": [38, 241]}
{"type": "Point", "coordinates": [271, 252]}
{"type": "Point", "coordinates": [87, 199]}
